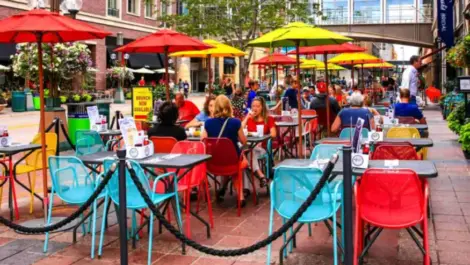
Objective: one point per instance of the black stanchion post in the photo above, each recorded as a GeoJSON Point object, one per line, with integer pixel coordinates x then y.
{"type": "Point", "coordinates": [348, 215]}
{"type": "Point", "coordinates": [56, 130]}
{"type": "Point", "coordinates": [118, 116]}
{"type": "Point", "coordinates": [122, 206]}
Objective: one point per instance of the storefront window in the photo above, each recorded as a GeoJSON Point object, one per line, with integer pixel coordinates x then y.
{"type": "Point", "coordinates": [401, 11]}
{"type": "Point", "coordinates": [335, 12]}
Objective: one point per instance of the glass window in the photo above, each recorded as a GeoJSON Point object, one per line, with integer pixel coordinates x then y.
{"type": "Point", "coordinates": [366, 11]}
{"type": "Point", "coordinates": [149, 6]}
{"type": "Point", "coordinates": [113, 8]}
{"type": "Point", "coordinates": [460, 11]}
{"type": "Point", "coordinates": [132, 6]}
{"type": "Point", "coordinates": [401, 11]}
{"type": "Point", "coordinates": [335, 12]}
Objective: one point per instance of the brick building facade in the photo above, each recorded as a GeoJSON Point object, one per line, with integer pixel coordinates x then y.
{"type": "Point", "coordinates": [133, 18]}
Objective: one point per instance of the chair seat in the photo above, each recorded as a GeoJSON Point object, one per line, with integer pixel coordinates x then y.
{"type": "Point", "coordinates": [317, 211]}
{"type": "Point", "coordinates": [389, 218]}
{"type": "Point", "coordinates": [23, 169]}
{"type": "Point", "coordinates": [77, 195]}
{"type": "Point", "coordinates": [135, 200]}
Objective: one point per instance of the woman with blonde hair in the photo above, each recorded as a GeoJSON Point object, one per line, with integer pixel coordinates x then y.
{"type": "Point", "coordinates": [224, 125]}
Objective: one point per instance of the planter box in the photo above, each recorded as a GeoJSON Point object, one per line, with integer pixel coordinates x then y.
{"type": "Point", "coordinates": [466, 154]}
{"type": "Point", "coordinates": [2, 107]}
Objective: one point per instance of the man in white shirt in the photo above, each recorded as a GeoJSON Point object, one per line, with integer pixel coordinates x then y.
{"type": "Point", "coordinates": [410, 78]}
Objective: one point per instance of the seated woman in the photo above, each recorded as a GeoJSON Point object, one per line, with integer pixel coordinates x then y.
{"type": "Point", "coordinates": [206, 113]}
{"type": "Point", "coordinates": [167, 115]}
{"type": "Point", "coordinates": [348, 117]}
{"type": "Point", "coordinates": [225, 126]}
{"type": "Point", "coordinates": [259, 116]}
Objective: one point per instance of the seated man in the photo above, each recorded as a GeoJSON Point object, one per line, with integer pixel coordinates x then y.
{"type": "Point", "coordinates": [187, 110]}
{"type": "Point", "coordinates": [405, 109]}
{"type": "Point", "coordinates": [318, 103]}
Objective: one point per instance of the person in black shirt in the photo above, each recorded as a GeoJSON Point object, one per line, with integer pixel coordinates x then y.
{"type": "Point", "coordinates": [167, 115]}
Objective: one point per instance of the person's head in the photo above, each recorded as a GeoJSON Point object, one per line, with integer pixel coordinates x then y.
{"type": "Point", "coordinates": [305, 93]}
{"type": "Point", "coordinates": [238, 92]}
{"type": "Point", "coordinates": [252, 85]}
{"type": "Point", "coordinates": [259, 108]}
{"type": "Point", "coordinates": [180, 80]}
{"type": "Point", "coordinates": [344, 78]}
{"type": "Point", "coordinates": [415, 61]}
{"type": "Point", "coordinates": [295, 84]}
{"type": "Point", "coordinates": [209, 105]}
{"type": "Point", "coordinates": [404, 95]}
{"type": "Point", "coordinates": [142, 78]}
{"type": "Point", "coordinates": [288, 80]}
{"type": "Point", "coordinates": [222, 107]}
{"type": "Point", "coordinates": [229, 80]}
{"type": "Point", "coordinates": [168, 113]}
{"type": "Point", "coordinates": [179, 99]}
{"type": "Point", "coordinates": [331, 90]}
{"type": "Point", "coordinates": [356, 99]}
{"type": "Point", "coordinates": [338, 90]}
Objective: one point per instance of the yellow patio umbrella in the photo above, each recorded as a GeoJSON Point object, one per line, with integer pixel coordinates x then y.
{"type": "Point", "coordinates": [375, 65]}
{"type": "Point", "coordinates": [219, 50]}
{"type": "Point", "coordinates": [360, 58]}
{"type": "Point", "coordinates": [298, 34]}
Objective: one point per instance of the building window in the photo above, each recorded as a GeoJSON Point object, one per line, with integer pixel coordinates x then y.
{"type": "Point", "coordinates": [367, 11]}
{"type": "Point", "coordinates": [113, 8]}
{"type": "Point", "coordinates": [133, 7]}
{"type": "Point", "coordinates": [425, 10]}
{"type": "Point", "coordinates": [150, 9]}
{"type": "Point", "coordinates": [335, 12]}
{"type": "Point", "coordinates": [460, 11]}
{"type": "Point", "coordinates": [401, 11]}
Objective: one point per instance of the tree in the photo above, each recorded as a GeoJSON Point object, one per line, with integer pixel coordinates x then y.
{"type": "Point", "coordinates": [236, 22]}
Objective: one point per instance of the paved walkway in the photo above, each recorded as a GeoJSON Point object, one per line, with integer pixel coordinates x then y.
{"type": "Point", "coordinates": [449, 229]}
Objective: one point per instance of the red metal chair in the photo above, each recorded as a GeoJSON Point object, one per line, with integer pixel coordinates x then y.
{"type": "Point", "coordinates": [225, 162]}
{"type": "Point", "coordinates": [196, 178]}
{"type": "Point", "coordinates": [406, 120]}
{"type": "Point", "coordinates": [400, 151]}
{"type": "Point", "coordinates": [391, 199]}
{"type": "Point", "coordinates": [314, 129]}
{"type": "Point", "coordinates": [321, 117]}
{"type": "Point", "coordinates": [163, 145]}
{"type": "Point", "coordinates": [280, 141]}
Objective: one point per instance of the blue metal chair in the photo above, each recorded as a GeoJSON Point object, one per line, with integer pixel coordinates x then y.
{"type": "Point", "coordinates": [269, 158]}
{"type": "Point", "coordinates": [325, 151]}
{"type": "Point", "coordinates": [346, 133]}
{"type": "Point", "coordinates": [89, 142]}
{"type": "Point", "coordinates": [135, 201]}
{"type": "Point", "coordinates": [290, 188]}
{"type": "Point", "coordinates": [73, 184]}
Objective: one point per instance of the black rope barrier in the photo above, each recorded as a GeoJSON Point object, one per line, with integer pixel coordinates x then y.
{"type": "Point", "coordinates": [64, 131]}
{"type": "Point", "coordinates": [241, 251]}
{"type": "Point", "coordinates": [55, 226]}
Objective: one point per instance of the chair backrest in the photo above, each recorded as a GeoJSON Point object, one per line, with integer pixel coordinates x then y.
{"type": "Point", "coordinates": [394, 196]}
{"type": "Point", "coordinates": [403, 132]}
{"type": "Point", "coordinates": [70, 179]}
{"type": "Point", "coordinates": [133, 197]}
{"type": "Point", "coordinates": [406, 120]}
{"type": "Point", "coordinates": [313, 122]}
{"type": "Point", "coordinates": [325, 151]}
{"type": "Point", "coordinates": [163, 145]}
{"type": "Point", "coordinates": [225, 159]}
{"type": "Point", "coordinates": [88, 142]}
{"type": "Point", "coordinates": [35, 159]}
{"type": "Point", "coordinates": [395, 151]}
{"type": "Point", "coordinates": [198, 173]}
{"type": "Point", "coordinates": [347, 131]}
{"type": "Point", "coordinates": [291, 186]}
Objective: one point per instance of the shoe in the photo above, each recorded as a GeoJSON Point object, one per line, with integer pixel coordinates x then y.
{"type": "Point", "coordinates": [221, 195]}
{"type": "Point", "coordinates": [243, 203]}
{"type": "Point", "coordinates": [246, 193]}
{"type": "Point", "coordinates": [193, 196]}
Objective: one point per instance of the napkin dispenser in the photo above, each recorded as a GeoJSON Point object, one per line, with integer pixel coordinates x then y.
{"type": "Point", "coordinates": [139, 151]}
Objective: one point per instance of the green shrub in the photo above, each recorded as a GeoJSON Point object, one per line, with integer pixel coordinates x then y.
{"type": "Point", "coordinates": [464, 137]}
{"type": "Point", "coordinates": [456, 118]}
{"type": "Point", "coordinates": [159, 92]}
{"type": "Point", "coordinates": [128, 95]}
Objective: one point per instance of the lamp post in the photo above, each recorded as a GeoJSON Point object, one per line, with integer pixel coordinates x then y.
{"type": "Point", "coordinates": [72, 7]}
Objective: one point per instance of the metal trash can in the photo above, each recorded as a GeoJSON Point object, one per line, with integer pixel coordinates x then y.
{"type": "Point", "coordinates": [78, 118]}
{"type": "Point", "coordinates": [18, 101]}
{"type": "Point", "coordinates": [29, 101]}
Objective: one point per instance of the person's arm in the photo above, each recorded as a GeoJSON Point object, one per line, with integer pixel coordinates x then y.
{"type": "Point", "coordinates": [336, 126]}
{"type": "Point", "coordinates": [272, 125]}
{"type": "Point", "coordinates": [245, 120]}
{"type": "Point", "coordinates": [277, 106]}
{"type": "Point", "coordinates": [241, 136]}
{"type": "Point", "coordinates": [194, 123]}
{"type": "Point", "coordinates": [204, 134]}
{"type": "Point", "coordinates": [372, 123]}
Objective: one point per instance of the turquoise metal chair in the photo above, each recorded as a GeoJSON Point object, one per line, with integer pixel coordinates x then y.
{"type": "Point", "coordinates": [136, 202]}
{"type": "Point", "coordinates": [269, 158]}
{"type": "Point", "coordinates": [73, 184]}
{"type": "Point", "coordinates": [346, 133]}
{"type": "Point", "coordinates": [290, 188]}
{"type": "Point", "coordinates": [325, 151]}
{"type": "Point", "coordinates": [89, 142]}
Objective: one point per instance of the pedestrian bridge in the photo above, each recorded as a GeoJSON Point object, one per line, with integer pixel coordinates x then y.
{"type": "Point", "coordinates": [412, 34]}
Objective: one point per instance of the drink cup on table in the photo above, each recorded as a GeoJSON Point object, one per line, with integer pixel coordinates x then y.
{"type": "Point", "coordinates": [191, 131]}
{"type": "Point", "coordinates": [260, 130]}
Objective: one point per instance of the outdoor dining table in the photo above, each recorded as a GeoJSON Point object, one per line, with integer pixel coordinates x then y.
{"type": "Point", "coordinates": [306, 117]}
{"type": "Point", "coordinates": [418, 143]}
{"type": "Point", "coordinates": [178, 122]}
{"type": "Point", "coordinates": [177, 162]}
{"type": "Point", "coordinates": [290, 130]}
{"type": "Point", "coordinates": [418, 126]}
{"type": "Point", "coordinates": [423, 168]}
{"type": "Point", "coordinates": [110, 134]}
{"type": "Point", "coordinates": [10, 151]}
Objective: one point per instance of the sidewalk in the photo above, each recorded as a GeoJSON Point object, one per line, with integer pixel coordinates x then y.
{"type": "Point", "coordinates": [449, 228]}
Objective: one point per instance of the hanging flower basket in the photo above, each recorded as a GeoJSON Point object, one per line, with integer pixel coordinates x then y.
{"type": "Point", "coordinates": [459, 55]}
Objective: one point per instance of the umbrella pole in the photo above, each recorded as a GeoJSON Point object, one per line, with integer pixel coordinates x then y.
{"type": "Point", "coordinates": [209, 74]}
{"type": "Point", "coordinates": [42, 126]}
{"type": "Point", "coordinates": [352, 75]}
{"type": "Point", "coordinates": [167, 80]}
{"type": "Point", "coordinates": [299, 100]}
{"type": "Point", "coordinates": [277, 84]}
{"type": "Point", "coordinates": [362, 77]}
{"type": "Point", "coordinates": [325, 60]}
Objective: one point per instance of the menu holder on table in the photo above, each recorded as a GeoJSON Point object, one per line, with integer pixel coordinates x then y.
{"type": "Point", "coordinates": [375, 136]}
{"type": "Point", "coordinates": [5, 139]}
{"type": "Point", "coordinates": [358, 159]}
{"type": "Point", "coordinates": [97, 122]}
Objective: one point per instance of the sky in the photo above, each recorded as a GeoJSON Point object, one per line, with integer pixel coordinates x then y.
{"type": "Point", "coordinates": [407, 52]}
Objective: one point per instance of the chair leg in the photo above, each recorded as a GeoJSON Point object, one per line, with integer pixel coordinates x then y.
{"type": "Point", "coordinates": [271, 223]}
{"type": "Point", "coordinates": [284, 236]}
{"type": "Point", "coordinates": [335, 241]}
{"type": "Point", "coordinates": [83, 225]}
{"type": "Point", "coordinates": [93, 230]}
{"type": "Point", "coordinates": [309, 229]}
{"type": "Point", "coordinates": [427, 258]}
{"type": "Point", "coordinates": [149, 257]}
{"type": "Point", "coordinates": [176, 207]}
{"type": "Point", "coordinates": [359, 234]}
{"type": "Point", "coordinates": [32, 193]}
{"type": "Point", "coordinates": [188, 213]}
{"type": "Point", "coordinates": [209, 204]}
{"type": "Point", "coordinates": [49, 213]}
{"type": "Point", "coordinates": [103, 225]}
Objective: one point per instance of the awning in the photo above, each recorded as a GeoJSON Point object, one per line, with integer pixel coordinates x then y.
{"type": "Point", "coordinates": [138, 60]}
{"type": "Point", "coordinates": [229, 61]}
{"type": "Point", "coordinates": [6, 50]}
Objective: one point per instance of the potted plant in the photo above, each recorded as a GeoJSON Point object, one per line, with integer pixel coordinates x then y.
{"type": "Point", "coordinates": [459, 55]}
{"type": "Point", "coordinates": [464, 139]}
{"type": "Point", "coordinates": [36, 100]}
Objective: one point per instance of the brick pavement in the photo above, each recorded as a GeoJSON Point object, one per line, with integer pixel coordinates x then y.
{"type": "Point", "coordinates": [449, 229]}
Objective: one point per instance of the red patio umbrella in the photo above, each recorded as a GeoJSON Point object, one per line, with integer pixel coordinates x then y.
{"type": "Point", "coordinates": [276, 59]}
{"type": "Point", "coordinates": [164, 41]}
{"type": "Point", "coordinates": [41, 26]}
{"type": "Point", "coordinates": [325, 50]}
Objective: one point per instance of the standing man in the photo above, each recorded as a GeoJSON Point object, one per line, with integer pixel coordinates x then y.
{"type": "Point", "coordinates": [180, 85]}
{"type": "Point", "coordinates": [410, 79]}
{"type": "Point", "coordinates": [186, 88]}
